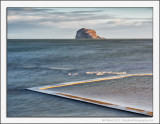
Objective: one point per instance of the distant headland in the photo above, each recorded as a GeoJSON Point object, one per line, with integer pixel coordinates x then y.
{"type": "Point", "coordinates": [84, 33]}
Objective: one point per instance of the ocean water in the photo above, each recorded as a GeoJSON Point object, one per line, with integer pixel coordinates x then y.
{"type": "Point", "coordinates": [33, 63]}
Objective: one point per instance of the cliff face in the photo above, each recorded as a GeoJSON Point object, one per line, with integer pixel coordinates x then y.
{"type": "Point", "coordinates": [87, 34]}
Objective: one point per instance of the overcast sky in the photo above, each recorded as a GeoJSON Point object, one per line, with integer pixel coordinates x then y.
{"type": "Point", "coordinates": [62, 23]}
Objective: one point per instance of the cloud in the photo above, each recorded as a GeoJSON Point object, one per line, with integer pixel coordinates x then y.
{"type": "Point", "coordinates": [28, 9]}
{"type": "Point", "coordinates": [25, 19]}
{"type": "Point", "coordinates": [50, 15]}
{"type": "Point", "coordinates": [124, 22]}
{"type": "Point", "coordinates": [92, 11]}
{"type": "Point", "coordinates": [54, 19]}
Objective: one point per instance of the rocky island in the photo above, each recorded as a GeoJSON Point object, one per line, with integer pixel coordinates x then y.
{"type": "Point", "coordinates": [84, 33]}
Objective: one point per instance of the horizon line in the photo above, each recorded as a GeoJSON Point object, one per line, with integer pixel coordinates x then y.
{"type": "Point", "coordinates": [72, 39]}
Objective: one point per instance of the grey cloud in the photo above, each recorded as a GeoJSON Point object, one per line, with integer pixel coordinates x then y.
{"type": "Point", "coordinates": [28, 11]}
{"type": "Point", "coordinates": [25, 9]}
{"type": "Point", "coordinates": [147, 19]}
{"type": "Point", "coordinates": [42, 11]}
{"type": "Point", "coordinates": [55, 20]}
{"type": "Point", "coordinates": [133, 26]}
{"type": "Point", "coordinates": [78, 17]}
{"type": "Point", "coordinates": [63, 17]}
{"type": "Point", "coordinates": [49, 14]}
{"type": "Point", "coordinates": [92, 11]}
{"type": "Point", "coordinates": [23, 26]}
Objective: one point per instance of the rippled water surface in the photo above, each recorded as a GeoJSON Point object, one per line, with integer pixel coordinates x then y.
{"type": "Point", "coordinates": [33, 63]}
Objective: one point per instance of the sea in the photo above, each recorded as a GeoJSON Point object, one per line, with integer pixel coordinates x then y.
{"type": "Point", "coordinates": [40, 62]}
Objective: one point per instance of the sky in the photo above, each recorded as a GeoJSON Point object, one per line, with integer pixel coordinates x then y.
{"type": "Point", "coordinates": [63, 23]}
